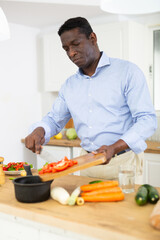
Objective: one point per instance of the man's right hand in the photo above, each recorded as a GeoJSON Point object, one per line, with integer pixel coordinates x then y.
{"type": "Point", "coordinates": [35, 140]}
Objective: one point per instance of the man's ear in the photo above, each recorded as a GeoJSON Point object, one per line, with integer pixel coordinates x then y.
{"type": "Point", "coordinates": [93, 38]}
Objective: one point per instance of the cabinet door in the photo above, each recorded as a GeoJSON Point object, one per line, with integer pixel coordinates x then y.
{"type": "Point", "coordinates": [76, 153]}
{"type": "Point", "coordinates": [57, 66]}
{"type": "Point", "coordinates": [125, 40]}
{"type": "Point", "coordinates": [111, 39]}
{"type": "Point", "coordinates": [57, 152]}
{"type": "Point", "coordinates": [152, 169]}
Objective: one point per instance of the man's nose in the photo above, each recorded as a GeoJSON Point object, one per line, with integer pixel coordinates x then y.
{"type": "Point", "coordinates": [72, 52]}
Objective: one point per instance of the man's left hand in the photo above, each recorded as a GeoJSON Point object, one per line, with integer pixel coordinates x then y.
{"type": "Point", "coordinates": [108, 151]}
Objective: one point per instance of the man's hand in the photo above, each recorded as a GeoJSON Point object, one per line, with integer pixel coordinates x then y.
{"type": "Point", "coordinates": [108, 151]}
{"type": "Point", "coordinates": [111, 150]}
{"type": "Point", "coordinates": [35, 140]}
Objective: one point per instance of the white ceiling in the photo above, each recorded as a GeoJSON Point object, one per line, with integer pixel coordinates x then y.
{"type": "Point", "coordinates": [45, 13]}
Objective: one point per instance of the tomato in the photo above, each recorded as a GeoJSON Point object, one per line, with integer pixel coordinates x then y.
{"type": "Point", "coordinates": [12, 166]}
{"type": "Point", "coordinates": [5, 168]}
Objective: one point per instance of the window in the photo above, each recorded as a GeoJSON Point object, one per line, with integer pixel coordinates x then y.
{"type": "Point", "coordinates": [156, 69]}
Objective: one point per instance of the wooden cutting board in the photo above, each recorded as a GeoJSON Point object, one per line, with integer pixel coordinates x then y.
{"type": "Point", "coordinates": [86, 161]}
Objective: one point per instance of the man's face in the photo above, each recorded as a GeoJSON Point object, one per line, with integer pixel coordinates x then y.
{"type": "Point", "coordinates": [78, 47]}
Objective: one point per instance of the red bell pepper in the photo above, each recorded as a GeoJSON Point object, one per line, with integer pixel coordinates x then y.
{"type": "Point", "coordinates": [61, 165]}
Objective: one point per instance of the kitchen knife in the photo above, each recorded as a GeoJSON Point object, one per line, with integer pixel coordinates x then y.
{"type": "Point", "coordinates": [48, 157]}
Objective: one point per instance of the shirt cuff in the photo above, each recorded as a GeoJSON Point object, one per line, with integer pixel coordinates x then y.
{"type": "Point", "coordinates": [134, 141]}
{"type": "Point", "coordinates": [47, 130]}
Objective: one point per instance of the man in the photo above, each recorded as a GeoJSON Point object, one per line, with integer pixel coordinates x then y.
{"type": "Point", "coordinates": [107, 98]}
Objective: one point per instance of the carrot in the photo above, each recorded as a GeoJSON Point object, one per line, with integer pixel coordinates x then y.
{"type": "Point", "coordinates": [95, 186]}
{"type": "Point", "coordinates": [101, 191]}
{"type": "Point", "coordinates": [105, 197]}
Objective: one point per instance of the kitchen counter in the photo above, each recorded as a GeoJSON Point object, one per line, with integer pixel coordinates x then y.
{"type": "Point", "coordinates": [116, 220]}
{"type": "Point", "coordinates": [152, 147]}
{"type": "Point", "coordinates": [64, 142]}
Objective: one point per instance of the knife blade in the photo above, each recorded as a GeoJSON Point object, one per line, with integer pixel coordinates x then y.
{"type": "Point", "coordinates": [47, 156]}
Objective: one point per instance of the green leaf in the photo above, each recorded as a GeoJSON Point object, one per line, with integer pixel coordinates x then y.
{"type": "Point", "coordinates": [45, 164]}
{"type": "Point", "coordinates": [11, 168]}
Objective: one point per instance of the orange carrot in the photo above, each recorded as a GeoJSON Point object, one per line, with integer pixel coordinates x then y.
{"type": "Point", "coordinates": [95, 186]}
{"type": "Point", "coordinates": [101, 191]}
{"type": "Point", "coordinates": [105, 197]}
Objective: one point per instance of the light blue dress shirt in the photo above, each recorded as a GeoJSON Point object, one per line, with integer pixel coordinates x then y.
{"type": "Point", "coordinates": [112, 104]}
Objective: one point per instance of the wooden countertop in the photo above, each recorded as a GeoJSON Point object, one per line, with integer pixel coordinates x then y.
{"type": "Point", "coordinates": [115, 220]}
{"type": "Point", "coordinates": [64, 142]}
{"type": "Point", "coordinates": [152, 147]}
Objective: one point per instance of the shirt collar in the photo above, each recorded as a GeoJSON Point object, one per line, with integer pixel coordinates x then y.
{"type": "Point", "coordinates": [104, 61]}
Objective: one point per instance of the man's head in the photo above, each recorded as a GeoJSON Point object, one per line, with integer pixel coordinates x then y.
{"type": "Point", "coordinates": [80, 42]}
{"type": "Point", "coordinates": [81, 23]}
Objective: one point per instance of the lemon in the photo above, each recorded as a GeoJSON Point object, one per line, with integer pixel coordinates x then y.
{"type": "Point", "coordinates": [23, 173]}
{"type": "Point", "coordinates": [58, 136]}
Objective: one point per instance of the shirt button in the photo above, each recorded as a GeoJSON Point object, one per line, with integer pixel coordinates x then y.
{"type": "Point", "coordinates": [92, 143]}
{"type": "Point", "coordinates": [89, 95]}
{"type": "Point", "coordinates": [90, 127]}
{"type": "Point", "coordinates": [90, 110]}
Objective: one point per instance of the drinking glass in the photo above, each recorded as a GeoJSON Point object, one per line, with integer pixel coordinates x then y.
{"type": "Point", "coordinates": [127, 178]}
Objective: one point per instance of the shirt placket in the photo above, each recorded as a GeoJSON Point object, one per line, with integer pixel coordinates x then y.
{"type": "Point", "coordinates": [90, 111]}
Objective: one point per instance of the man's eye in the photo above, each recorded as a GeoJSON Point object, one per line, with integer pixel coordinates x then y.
{"type": "Point", "coordinates": [76, 44]}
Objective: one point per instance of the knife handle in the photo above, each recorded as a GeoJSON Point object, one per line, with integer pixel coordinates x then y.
{"type": "Point", "coordinates": [27, 169]}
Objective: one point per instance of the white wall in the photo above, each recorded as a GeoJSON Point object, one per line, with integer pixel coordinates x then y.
{"type": "Point", "coordinates": [19, 96]}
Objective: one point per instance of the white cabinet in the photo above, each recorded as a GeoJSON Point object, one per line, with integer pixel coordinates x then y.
{"type": "Point", "coordinates": [57, 67]}
{"type": "Point", "coordinates": [76, 151]}
{"type": "Point", "coordinates": [152, 169]}
{"type": "Point", "coordinates": [126, 40]}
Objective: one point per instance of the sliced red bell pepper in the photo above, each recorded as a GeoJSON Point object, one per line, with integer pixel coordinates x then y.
{"type": "Point", "coordinates": [41, 172]}
{"type": "Point", "coordinates": [54, 170]}
{"type": "Point", "coordinates": [61, 166]}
